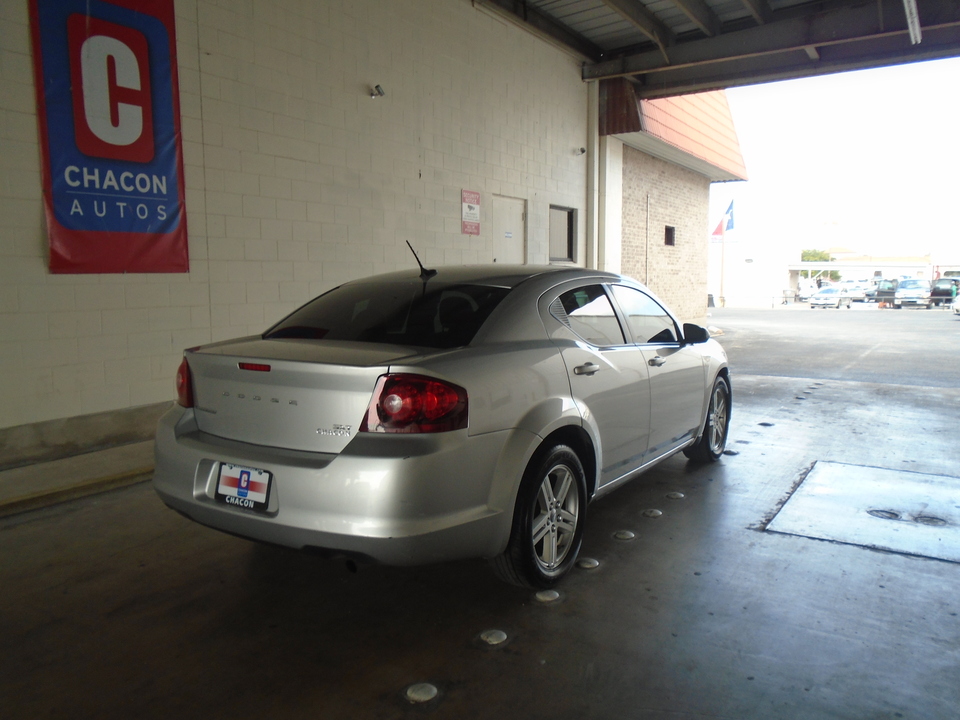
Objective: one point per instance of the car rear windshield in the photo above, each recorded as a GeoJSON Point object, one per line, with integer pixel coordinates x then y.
{"type": "Point", "coordinates": [398, 313]}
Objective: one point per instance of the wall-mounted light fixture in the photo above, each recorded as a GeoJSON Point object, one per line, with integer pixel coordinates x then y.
{"type": "Point", "coordinates": [580, 151]}
{"type": "Point", "coordinates": [377, 92]}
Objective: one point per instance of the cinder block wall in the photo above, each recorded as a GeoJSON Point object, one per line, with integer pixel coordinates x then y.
{"type": "Point", "coordinates": [678, 198]}
{"type": "Point", "coordinates": [296, 180]}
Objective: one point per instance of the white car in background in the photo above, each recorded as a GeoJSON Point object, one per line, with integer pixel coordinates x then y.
{"type": "Point", "coordinates": [956, 305]}
{"type": "Point", "coordinates": [913, 292]}
{"type": "Point", "coordinates": [857, 291]}
{"type": "Point", "coordinates": [830, 296]}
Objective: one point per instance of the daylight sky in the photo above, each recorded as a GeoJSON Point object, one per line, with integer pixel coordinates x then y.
{"type": "Point", "coordinates": [868, 161]}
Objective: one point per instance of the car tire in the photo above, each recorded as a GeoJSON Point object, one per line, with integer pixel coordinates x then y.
{"type": "Point", "coordinates": [713, 441]}
{"type": "Point", "coordinates": [547, 521]}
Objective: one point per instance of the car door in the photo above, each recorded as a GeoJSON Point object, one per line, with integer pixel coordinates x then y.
{"type": "Point", "coordinates": [676, 372]}
{"type": "Point", "coordinates": [608, 375]}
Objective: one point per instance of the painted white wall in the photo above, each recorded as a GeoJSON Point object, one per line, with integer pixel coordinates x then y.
{"type": "Point", "coordinates": [296, 180]}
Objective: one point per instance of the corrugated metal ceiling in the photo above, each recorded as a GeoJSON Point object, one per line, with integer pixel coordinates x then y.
{"type": "Point", "coordinates": [670, 47]}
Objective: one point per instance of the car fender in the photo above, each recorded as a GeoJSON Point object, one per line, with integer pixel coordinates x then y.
{"type": "Point", "coordinates": [715, 364]}
{"type": "Point", "coordinates": [542, 421]}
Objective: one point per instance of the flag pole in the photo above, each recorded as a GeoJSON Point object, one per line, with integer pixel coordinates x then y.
{"type": "Point", "coordinates": [723, 251]}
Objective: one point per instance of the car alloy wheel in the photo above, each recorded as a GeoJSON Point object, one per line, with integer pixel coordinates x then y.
{"type": "Point", "coordinates": [548, 520]}
{"type": "Point", "coordinates": [713, 440]}
{"type": "Point", "coordinates": [719, 417]}
{"type": "Point", "coordinates": [555, 517]}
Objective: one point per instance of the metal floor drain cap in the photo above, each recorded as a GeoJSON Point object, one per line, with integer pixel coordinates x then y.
{"type": "Point", "coordinates": [884, 514]}
{"type": "Point", "coordinates": [676, 495]}
{"type": "Point", "coordinates": [930, 520]}
{"type": "Point", "coordinates": [421, 693]}
{"type": "Point", "coordinates": [624, 535]}
{"type": "Point", "coordinates": [652, 513]}
{"type": "Point", "coordinates": [547, 596]}
{"type": "Point", "coordinates": [588, 563]}
{"type": "Point", "coordinates": [493, 637]}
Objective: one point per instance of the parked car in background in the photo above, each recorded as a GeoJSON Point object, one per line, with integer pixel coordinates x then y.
{"type": "Point", "coordinates": [956, 305]}
{"type": "Point", "coordinates": [832, 296]}
{"type": "Point", "coordinates": [413, 418]}
{"type": "Point", "coordinates": [883, 291]}
{"type": "Point", "coordinates": [913, 292]}
{"type": "Point", "coordinates": [855, 290]}
{"type": "Point", "coordinates": [944, 290]}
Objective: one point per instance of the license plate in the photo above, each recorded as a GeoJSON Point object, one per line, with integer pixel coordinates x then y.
{"type": "Point", "coordinates": [243, 487]}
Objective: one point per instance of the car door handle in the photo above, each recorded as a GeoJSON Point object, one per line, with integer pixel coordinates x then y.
{"type": "Point", "coordinates": [587, 369]}
{"type": "Point", "coordinates": [656, 361]}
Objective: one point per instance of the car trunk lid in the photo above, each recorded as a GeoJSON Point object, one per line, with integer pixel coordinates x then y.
{"type": "Point", "coordinates": [293, 394]}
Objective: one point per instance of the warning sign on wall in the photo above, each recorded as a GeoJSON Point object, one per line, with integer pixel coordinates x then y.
{"type": "Point", "coordinates": [470, 214]}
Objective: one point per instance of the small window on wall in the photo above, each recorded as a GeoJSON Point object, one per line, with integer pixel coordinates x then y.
{"type": "Point", "coordinates": [563, 234]}
{"type": "Point", "coordinates": [669, 235]}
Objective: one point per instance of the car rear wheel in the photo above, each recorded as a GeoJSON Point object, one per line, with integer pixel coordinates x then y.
{"type": "Point", "coordinates": [547, 522]}
{"type": "Point", "coordinates": [713, 440]}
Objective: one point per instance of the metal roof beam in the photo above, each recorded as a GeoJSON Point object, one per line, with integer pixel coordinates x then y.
{"type": "Point", "coordinates": [832, 27]}
{"type": "Point", "coordinates": [760, 9]}
{"type": "Point", "coordinates": [645, 21]}
{"type": "Point", "coordinates": [937, 43]}
{"type": "Point", "coordinates": [700, 15]}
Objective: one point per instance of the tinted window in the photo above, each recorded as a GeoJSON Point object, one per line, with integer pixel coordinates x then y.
{"type": "Point", "coordinates": [401, 313]}
{"type": "Point", "coordinates": [647, 320]}
{"type": "Point", "coordinates": [588, 312]}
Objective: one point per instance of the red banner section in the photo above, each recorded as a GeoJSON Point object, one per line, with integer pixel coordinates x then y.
{"type": "Point", "coordinates": [109, 112]}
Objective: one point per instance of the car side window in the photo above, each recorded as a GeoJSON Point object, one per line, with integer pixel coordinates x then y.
{"type": "Point", "coordinates": [588, 312]}
{"type": "Point", "coordinates": [647, 320]}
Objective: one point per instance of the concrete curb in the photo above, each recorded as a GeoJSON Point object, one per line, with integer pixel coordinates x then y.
{"type": "Point", "coordinates": [38, 500]}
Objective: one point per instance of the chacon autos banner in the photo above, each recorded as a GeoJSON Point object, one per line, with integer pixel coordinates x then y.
{"type": "Point", "coordinates": [109, 112]}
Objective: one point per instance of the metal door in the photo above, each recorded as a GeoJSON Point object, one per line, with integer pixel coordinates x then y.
{"type": "Point", "coordinates": [508, 236]}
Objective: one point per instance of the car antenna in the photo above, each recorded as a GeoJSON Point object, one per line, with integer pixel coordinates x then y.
{"type": "Point", "coordinates": [425, 274]}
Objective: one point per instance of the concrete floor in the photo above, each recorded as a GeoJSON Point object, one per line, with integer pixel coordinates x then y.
{"type": "Point", "coordinates": [113, 606]}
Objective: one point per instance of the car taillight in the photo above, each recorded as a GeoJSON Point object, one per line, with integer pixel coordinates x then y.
{"type": "Point", "coordinates": [415, 404]}
{"type": "Point", "coordinates": [184, 385]}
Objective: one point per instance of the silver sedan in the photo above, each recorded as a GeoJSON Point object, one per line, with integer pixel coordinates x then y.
{"type": "Point", "coordinates": [463, 412]}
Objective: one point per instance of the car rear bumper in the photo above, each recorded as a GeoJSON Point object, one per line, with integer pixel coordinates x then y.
{"type": "Point", "coordinates": [395, 499]}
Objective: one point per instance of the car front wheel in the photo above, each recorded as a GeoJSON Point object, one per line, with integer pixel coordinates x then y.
{"type": "Point", "coordinates": [547, 522]}
{"type": "Point", "coordinates": [713, 440]}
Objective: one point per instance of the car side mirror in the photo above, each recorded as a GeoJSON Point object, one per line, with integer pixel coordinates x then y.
{"type": "Point", "coordinates": [694, 334]}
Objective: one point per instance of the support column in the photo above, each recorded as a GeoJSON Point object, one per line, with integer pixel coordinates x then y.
{"type": "Point", "coordinates": [610, 206]}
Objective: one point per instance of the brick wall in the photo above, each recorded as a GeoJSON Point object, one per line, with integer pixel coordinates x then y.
{"type": "Point", "coordinates": [295, 180]}
{"type": "Point", "coordinates": [678, 198]}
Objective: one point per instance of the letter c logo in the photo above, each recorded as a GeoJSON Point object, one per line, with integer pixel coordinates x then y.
{"type": "Point", "coordinates": [109, 67]}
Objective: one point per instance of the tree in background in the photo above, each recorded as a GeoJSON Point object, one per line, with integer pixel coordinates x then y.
{"type": "Point", "coordinates": [818, 256]}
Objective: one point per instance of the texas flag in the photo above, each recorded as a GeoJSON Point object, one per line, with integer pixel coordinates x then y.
{"type": "Point", "coordinates": [726, 223]}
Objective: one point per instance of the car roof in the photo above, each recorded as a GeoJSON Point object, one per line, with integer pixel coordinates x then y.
{"type": "Point", "coordinates": [499, 275]}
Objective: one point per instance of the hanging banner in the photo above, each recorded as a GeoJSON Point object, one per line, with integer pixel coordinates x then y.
{"type": "Point", "coordinates": [109, 113]}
